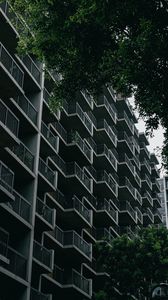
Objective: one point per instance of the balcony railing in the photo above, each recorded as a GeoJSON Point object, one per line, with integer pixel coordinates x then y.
{"type": "Point", "coordinates": [9, 12]}
{"type": "Point", "coordinates": [143, 146]}
{"type": "Point", "coordinates": [6, 177]}
{"type": "Point", "coordinates": [9, 119]}
{"type": "Point", "coordinates": [28, 108]}
{"type": "Point", "coordinates": [138, 197]}
{"type": "Point", "coordinates": [70, 239]}
{"type": "Point", "coordinates": [106, 206]}
{"type": "Point", "coordinates": [81, 208]}
{"type": "Point", "coordinates": [149, 198]}
{"type": "Point", "coordinates": [75, 138]}
{"type": "Point", "coordinates": [125, 159]}
{"type": "Point", "coordinates": [146, 164]}
{"type": "Point", "coordinates": [21, 206]}
{"type": "Point", "coordinates": [45, 211]}
{"type": "Point", "coordinates": [109, 153]}
{"type": "Point", "coordinates": [123, 115]}
{"type": "Point", "coordinates": [24, 154]}
{"type": "Point", "coordinates": [17, 263]}
{"type": "Point", "coordinates": [46, 171]}
{"type": "Point", "coordinates": [125, 182]}
{"type": "Point", "coordinates": [126, 206]}
{"type": "Point", "coordinates": [73, 169]}
{"type": "Point", "coordinates": [105, 177]}
{"type": "Point", "coordinates": [139, 215]}
{"type": "Point", "coordinates": [11, 66]}
{"type": "Point", "coordinates": [88, 97]}
{"type": "Point", "coordinates": [122, 136]}
{"type": "Point", "coordinates": [111, 131]}
{"type": "Point", "coordinates": [112, 92]}
{"type": "Point", "coordinates": [109, 107]}
{"type": "Point", "coordinates": [4, 239]}
{"type": "Point", "coordinates": [74, 108]}
{"type": "Point", "coordinates": [42, 254]}
{"type": "Point", "coordinates": [60, 130]}
{"type": "Point", "coordinates": [32, 67]}
{"type": "Point", "coordinates": [146, 178]}
{"type": "Point", "coordinates": [47, 133]}
{"type": "Point", "coordinates": [102, 234]}
{"type": "Point", "coordinates": [37, 295]}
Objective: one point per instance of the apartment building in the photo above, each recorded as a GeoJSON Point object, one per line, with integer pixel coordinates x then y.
{"type": "Point", "coordinates": [67, 179]}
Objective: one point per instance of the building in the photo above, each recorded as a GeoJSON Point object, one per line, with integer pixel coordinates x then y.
{"type": "Point", "coordinates": [67, 179]}
{"type": "Point", "coordinates": [163, 198]}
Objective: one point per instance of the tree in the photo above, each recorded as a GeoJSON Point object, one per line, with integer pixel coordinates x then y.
{"type": "Point", "coordinates": [135, 265]}
{"type": "Point", "coordinates": [95, 42]}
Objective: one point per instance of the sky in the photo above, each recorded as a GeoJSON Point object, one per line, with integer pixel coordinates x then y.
{"type": "Point", "coordinates": [156, 140]}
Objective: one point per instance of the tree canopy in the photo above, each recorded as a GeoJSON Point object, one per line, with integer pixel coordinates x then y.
{"type": "Point", "coordinates": [95, 42]}
{"type": "Point", "coordinates": [135, 265]}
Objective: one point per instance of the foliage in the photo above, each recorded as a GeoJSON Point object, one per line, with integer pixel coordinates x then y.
{"type": "Point", "coordinates": [135, 265]}
{"type": "Point", "coordinates": [95, 42]}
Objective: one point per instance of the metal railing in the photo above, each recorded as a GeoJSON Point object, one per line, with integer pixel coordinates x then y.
{"type": "Point", "coordinates": [11, 66]}
{"type": "Point", "coordinates": [124, 158]}
{"type": "Point", "coordinates": [107, 178]}
{"type": "Point", "coordinates": [81, 208]}
{"type": "Point", "coordinates": [75, 138]}
{"type": "Point", "coordinates": [73, 169]}
{"type": "Point", "coordinates": [112, 92]}
{"type": "Point", "coordinates": [32, 67]}
{"type": "Point", "coordinates": [46, 171]}
{"type": "Point", "coordinates": [61, 131]}
{"type": "Point", "coordinates": [24, 154]}
{"type": "Point", "coordinates": [106, 206]}
{"type": "Point", "coordinates": [21, 206]}
{"type": "Point", "coordinates": [81, 282]}
{"type": "Point", "coordinates": [17, 263]}
{"type": "Point", "coordinates": [42, 254]}
{"type": "Point", "coordinates": [47, 133]}
{"type": "Point", "coordinates": [60, 163]}
{"type": "Point", "coordinates": [112, 133]}
{"type": "Point", "coordinates": [109, 153]}
{"type": "Point", "coordinates": [143, 146]}
{"type": "Point", "coordinates": [126, 206]}
{"type": "Point", "coordinates": [74, 239]}
{"type": "Point", "coordinates": [138, 197]}
{"type": "Point", "coordinates": [10, 13]}
{"type": "Point", "coordinates": [123, 136]}
{"type": "Point", "coordinates": [28, 108]}
{"type": "Point", "coordinates": [102, 100]}
{"type": "Point", "coordinates": [123, 115]}
{"type": "Point", "coordinates": [102, 234]}
{"type": "Point", "coordinates": [74, 108]}
{"type": "Point", "coordinates": [45, 211]}
{"type": "Point", "coordinates": [149, 198]}
{"type": "Point", "coordinates": [146, 164]}
{"type": "Point", "coordinates": [37, 295]}
{"type": "Point", "coordinates": [4, 239]}
{"type": "Point", "coordinates": [146, 178]}
{"type": "Point", "coordinates": [6, 177]}
{"type": "Point", "coordinates": [9, 119]}
{"type": "Point", "coordinates": [88, 97]}
{"type": "Point", "coordinates": [139, 215]}
{"type": "Point", "coordinates": [125, 182]}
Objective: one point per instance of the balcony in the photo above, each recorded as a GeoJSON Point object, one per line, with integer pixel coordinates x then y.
{"type": "Point", "coordinates": [127, 215]}
{"type": "Point", "coordinates": [111, 93]}
{"type": "Point", "coordinates": [73, 170]}
{"type": "Point", "coordinates": [104, 235]}
{"type": "Point", "coordinates": [72, 209]}
{"type": "Point", "coordinates": [158, 218]}
{"type": "Point", "coordinates": [51, 116]}
{"type": "Point", "coordinates": [104, 108]}
{"type": "Point", "coordinates": [4, 239]}
{"type": "Point", "coordinates": [73, 140]}
{"type": "Point", "coordinates": [124, 123]}
{"type": "Point", "coordinates": [126, 190]}
{"type": "Point", "coordinates": [105, 214]}
{"type": "Point", "coordinates": [148, 216]}
{"type": "Point", "coordinates": [155, 185]}
{"type": "Point", "coordinates": [37, 295]}
{"type": "Point", "coordinates": [21, 207]}
{"type": "Point", "coordinates": [156, 200]}
{"type": "Point", "coordinates": [27, 108]}
{"type": "Point", "coordinates": [46, 216]}
{"type": "Point", "coordinates": [48, 177]}
{"type": "Point", "coordinates": [144, 151]}
{"type": "Point", "coordinates": [125, 143]}
{"type": "Point", "coordinates": [77, 117]}
{"type": "Point", "coordinates": [105, 133]}
{"type": "Point", "coordinates": [146, 183]}
{"type": "Point", "coordinates": [128, 231]}
{"type": "Point", "coordinates": [32, 68]}
{"type": "Point", "coordinates": [147, 199]}
{"type": "Point", "coordinates": [88, 103]}
{"type": "Point", "coordinates": [145, 166]}
{"type": "Point", "coordinates": [106, 157]}
{"type": "Point", "coordinates": [138, 197]}
{"type": "Point", "coordinates": [12, 77]}
{"type": "Point", "coordinates": [43, 256]}
{"type": "Point", "coordinates": [73, 284]}
{"type": "Point", "coordinates": [25, 155]}
{"type": "Point", "coordinates": [75, 244]}
{"type": "Point", "coordinates": [6, 183]}
{"type": "Point", "coordinates": [9, 126]}
{"type": "Point", "coordinates": [125, 166]}
{"type": "Point", "coordinates": [155, 171]}
{"type": "Point", "coordinates": [50, 142]}
{"type": "Point", "coordinates": [106, 183]}
{"type": "Point", "coordinates": [139, 216]}
{"type": "Point", "coordinates": [17, 263]}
